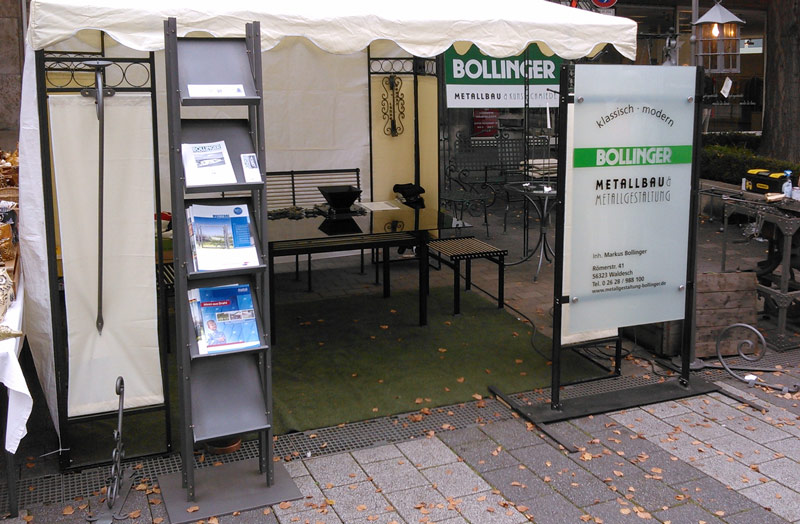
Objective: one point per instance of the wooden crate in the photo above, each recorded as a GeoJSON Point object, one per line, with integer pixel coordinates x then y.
{"type": "Point", "coordinates": [723, 299]}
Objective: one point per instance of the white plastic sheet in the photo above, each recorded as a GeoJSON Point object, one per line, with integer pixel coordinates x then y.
{"type": "Point", "coordinates": [128, 345]}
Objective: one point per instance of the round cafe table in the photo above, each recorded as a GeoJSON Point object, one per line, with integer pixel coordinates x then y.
{"type": "Point", "coordinates": [539, 194]}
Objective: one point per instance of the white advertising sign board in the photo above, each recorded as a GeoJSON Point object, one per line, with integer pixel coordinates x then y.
{"type": "Point", "coordinates": [628, 186]}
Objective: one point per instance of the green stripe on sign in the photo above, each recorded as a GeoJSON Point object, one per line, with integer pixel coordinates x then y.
{"type": "Point", "coordinates": [632, 156]}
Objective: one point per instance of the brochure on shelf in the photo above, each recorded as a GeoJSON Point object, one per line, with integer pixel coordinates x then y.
{"type": "Point", "coordinates": [220, 237]}
{"type": "Point", "coordinates": [224, 318]}
{"type": "Point", "coordinates": [215, 90]}
{"type": "Point", "coordinates": [207, 164]}
{"type": "Point", "coordinates": [250, 167]}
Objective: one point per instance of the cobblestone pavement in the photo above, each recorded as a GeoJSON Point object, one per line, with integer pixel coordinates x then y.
{"type": "Point", "coordinates": [706, 459]}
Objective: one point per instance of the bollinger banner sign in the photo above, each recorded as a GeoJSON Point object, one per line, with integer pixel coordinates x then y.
{"type": "Point", "coordinates": [628, 195]}
{"type": "Point", "coordinates": [478, 81]}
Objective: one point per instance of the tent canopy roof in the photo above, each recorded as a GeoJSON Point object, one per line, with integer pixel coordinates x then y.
{"type": "Point", "coordinates": [421, 27]}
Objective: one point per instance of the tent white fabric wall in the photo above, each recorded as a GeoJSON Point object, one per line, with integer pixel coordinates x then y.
{"type": "Point", "coordinates": [128, 344]}
{"type": "Point", "coordinates": [421, 28]}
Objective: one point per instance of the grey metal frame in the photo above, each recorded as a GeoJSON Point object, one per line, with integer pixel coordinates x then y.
{"type": "Point", "coordinates": [71, 64]}
{"type": "Point", "coordinates": [201, 378]}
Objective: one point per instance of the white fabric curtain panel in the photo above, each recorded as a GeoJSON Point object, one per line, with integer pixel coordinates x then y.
{"type": "Point", "coordinates": [128, 345]}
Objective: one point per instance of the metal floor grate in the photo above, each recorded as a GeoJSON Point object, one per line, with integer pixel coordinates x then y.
{"type": "Point", "coordinates": [52, 489]}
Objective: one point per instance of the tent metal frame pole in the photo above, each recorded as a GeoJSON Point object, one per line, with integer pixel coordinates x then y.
{"type": "Point", "coordinates": [56, 313]}
{"type": "Point", "coordinates": [66, 62]}
{"type": "Point", "coordinates": [565, 99]}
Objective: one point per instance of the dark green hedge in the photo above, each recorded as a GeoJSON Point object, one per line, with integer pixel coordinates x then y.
{"type": "Point", "coordinates": [749, 141]}
{"type": "Point", "coordinates": [729, 164]}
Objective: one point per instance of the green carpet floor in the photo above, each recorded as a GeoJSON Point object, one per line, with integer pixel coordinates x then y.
{"type": "Point", "coordinates": [355, 358]}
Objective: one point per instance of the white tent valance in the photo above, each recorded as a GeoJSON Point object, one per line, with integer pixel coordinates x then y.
{"type": "Point", "coordinates": [421, 27]}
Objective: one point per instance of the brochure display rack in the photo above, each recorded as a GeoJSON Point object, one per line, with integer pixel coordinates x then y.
{"type": "Point", "coordinates": [221, 280]}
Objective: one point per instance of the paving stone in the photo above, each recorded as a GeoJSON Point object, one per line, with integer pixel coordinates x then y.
{"type": "Point", "coordinates": [686, 513]}
{"type": "Point", "coordinates": [255, 516]}
{"type": "Point", "coordinates": [648, 492]}
{"type": "Point", "coordinates": [511, 434]}
{"type": "Point", "coordinates": [670, 468]}
{"type": "Point", "coordinates": [595, 424]}
{"type": "Point", "coordinates": [552, 509]}
{"type": "Point", "coordinates": [570, 437]}
{"type": "Point", "coordinates": [296, 468]}
{"type": "Point", "coordinates": [617, 511]}
{"type": "Point", "coordinates": [417, 503]}
{"type": "Point", "coordinates": [684, 446]}
{"type": "Point", "coordinates": [784, 470]}
{"type": "Point", "coordinates": [455, 480]}
{"type": "Point", "coordinates": [428, 452]}
{"type": "Point", "coordinates": [383, 518]}
{"type": "Point", "coordinates": [604, 466]}
{"type": "Point", "coordinates": [707, 405]}
{"type": "Point", "coordinates": [743, 449]}
{"type": "Point", "coordinates": [782, 419]}
{"type": "Point", "coordinates": [454, 520]}
{"type": "Point", "coordinates": [488, 508]}
{"type": "Point", "coordinates": [664, 410]}
{"type": "Point", "coordinates": [312, 516]}
{"type": "Point", "coordinates": [755, 515]}
{"type": "Point", "coordinates": [751, 427]}
{"type": "Point", "coordinates": [312, 497]}
{"type": "Point", "coordinates": [627, 442]}
{"type": "Point", "coordinates": [699, 426]}
{"type": "Point", "coordinates": [730, 473]}
{"type": "Point", "coordinates": [485, 455]}
{"type": "Point", "coordinates": [336, 469]}
{"type": "Point", "coordinates": [518, 483]}
{"type": "Point", "coordinates": [715, 496]}
{"type": "Point", "coordinates": [376, 454]}
{"type": "Point", "coordinates": [781, 500]}
{"type": "Point", "coordinates": [639, 421]}
{"type": "Point", "coordinates": [348, 499]}
{"type": "Point", "coordinates": [789, 447]}
{"type": "Point", "coordinates": [543, 459]}
{"type": "Point", "coordinates": [53, 514]}
{"type": "Point", "coordinates": [394, 474]}
{"type": "Point", "coordinates": [462, 436]}
{"type": "Point", "coordinates": [579, 486]}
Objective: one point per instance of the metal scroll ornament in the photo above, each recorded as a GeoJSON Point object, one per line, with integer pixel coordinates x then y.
{"type": "Point", "coordinates": [393, 105]}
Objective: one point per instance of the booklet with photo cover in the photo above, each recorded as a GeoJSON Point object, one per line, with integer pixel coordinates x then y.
{"type": "Point", "coordinates": [207, 164]}
{"type": "Point", "coordinates": [220, 237]}
{"type": "Point", "coordinates": [224, 318]}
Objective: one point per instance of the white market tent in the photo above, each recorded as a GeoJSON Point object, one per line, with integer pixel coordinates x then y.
{"type": "Point", "coordinates": [337, 29]}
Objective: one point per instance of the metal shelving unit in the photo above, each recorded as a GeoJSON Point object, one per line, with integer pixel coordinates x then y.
{"type": "Point", "coordinates": [228, 393]}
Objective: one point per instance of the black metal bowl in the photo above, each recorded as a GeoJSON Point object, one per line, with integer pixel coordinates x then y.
{"type": "Point", "coordinates": [340, 197]}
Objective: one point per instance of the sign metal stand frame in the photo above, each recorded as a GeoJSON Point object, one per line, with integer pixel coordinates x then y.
{"type": "Point", "coordinates": [683, 386]}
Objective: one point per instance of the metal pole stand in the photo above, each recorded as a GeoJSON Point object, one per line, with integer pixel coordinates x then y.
{"type": "Point", "coordinates": [121, 481]}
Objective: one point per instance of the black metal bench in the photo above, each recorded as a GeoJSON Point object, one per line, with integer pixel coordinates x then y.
{"type": "Point", "coordinates": [467, 249]}
{"type": "Point", "coordinates": [300, 189]}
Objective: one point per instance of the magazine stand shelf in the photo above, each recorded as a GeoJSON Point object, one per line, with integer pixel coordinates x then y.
{"type": "Point", "coordinates": [222, 313]}
{"type": "Point", "coordinates": [216, 383]}
{"type": "Point", "coordinates": [236, 134]}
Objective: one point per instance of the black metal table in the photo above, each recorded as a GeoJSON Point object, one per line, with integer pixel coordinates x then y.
{"type": "Point", "coordinates": [379, 230]}
{"type": "Point", "coordinates": [781, 288]}
{"type": "Point", "coordinates": [541, 195]}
